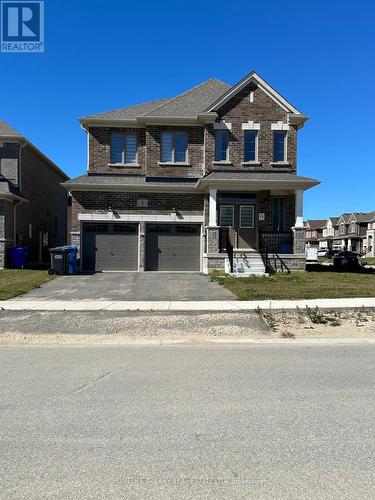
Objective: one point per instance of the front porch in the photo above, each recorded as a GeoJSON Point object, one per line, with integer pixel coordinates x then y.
{"type": "Point", "coordinates": [263, 226]}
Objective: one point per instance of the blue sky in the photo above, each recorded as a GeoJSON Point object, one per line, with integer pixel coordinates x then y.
{"type": "Point", "coordinates": [102, 55]}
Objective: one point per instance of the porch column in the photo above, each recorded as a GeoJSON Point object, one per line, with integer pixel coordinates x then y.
{"type": "Point", "coordinates": [299, 208]}
{"type": "Point", "coordinates": [212, 217]}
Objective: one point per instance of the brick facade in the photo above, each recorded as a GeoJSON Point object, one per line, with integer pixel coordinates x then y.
{"type": "Point", "coordinates": [240, 109]}
{"type": "Point", "coordinates": [44, 212]}
{"type": "Point", "coordinates": [126, 203]}
{"type": "Point", "coordinates": [264, 111]}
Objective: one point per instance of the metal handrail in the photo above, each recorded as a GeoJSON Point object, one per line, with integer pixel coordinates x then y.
{"type": "Point", "coordinates": [264, 251]}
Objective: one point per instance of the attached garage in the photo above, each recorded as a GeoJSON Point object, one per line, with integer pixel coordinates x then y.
{"type": "Point", "coordinates": [110, 247]}
{"type": "Point", "coordinates": [173, 247]}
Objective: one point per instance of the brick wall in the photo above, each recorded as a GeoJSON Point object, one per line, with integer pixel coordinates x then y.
{"type": "Point", "coordinates": [195, 153]}
{"type": "Point", "coordinates": [46, 207]}
{"type": "Point", "coordinates": [263, 110]}
{"type": "Point", "coordinates": [100, 150]}
{"type": "Point", "coordinates": [158, 203]}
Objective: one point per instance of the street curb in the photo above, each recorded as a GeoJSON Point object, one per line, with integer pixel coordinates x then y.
{"type": "Point", "coordinates": [186, 306]}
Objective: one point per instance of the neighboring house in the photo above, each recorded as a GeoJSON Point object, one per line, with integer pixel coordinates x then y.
{"type": "Point", "coordinates": [314, 232]}
{"type": "Point", "coordinates": [328, 233]}
{"type": "Point", "coordinates": [351, 231]}
{"type": "Point", "coordinates": [32, 201]}
{"type": "Point", "coordinates": [182, 184]}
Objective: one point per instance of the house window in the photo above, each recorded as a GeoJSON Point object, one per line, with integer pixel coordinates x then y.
{"type": "Point", "coordinates": [279, 143]}
{"type": "Point", "coordinates": [226, 215]}
{"type": "Point", "coordinates": [250, 145]}
{"type": "Point", "coordinates": [278, 219]}
{"type": "Point", "coordinates": [174, 147]}
{"type": "Point", "coordinates": [221, 145]}
{"type": "Point", "coordinates": [353, 227]}
{"type": "Point", "coordinates": [124, 149]}
{"type": "Point", "coordinates": [247, 216]}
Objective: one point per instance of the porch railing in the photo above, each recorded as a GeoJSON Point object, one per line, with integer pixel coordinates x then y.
{"type": "Point", "coordinates": [272, 243]}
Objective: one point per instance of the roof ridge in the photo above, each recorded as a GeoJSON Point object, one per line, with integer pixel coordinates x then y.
{"type": "Point", "coordinates": [192, 89]}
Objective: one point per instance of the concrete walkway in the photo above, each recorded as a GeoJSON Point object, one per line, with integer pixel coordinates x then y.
{"type": "Point", "coordinates": [215, 305]}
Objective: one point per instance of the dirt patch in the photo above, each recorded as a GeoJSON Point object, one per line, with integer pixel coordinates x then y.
{"type": "Point", "coordinates": [308, 323]}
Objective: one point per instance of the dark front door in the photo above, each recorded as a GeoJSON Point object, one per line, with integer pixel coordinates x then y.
{"type": "Point", "coordinates": [240, 219]}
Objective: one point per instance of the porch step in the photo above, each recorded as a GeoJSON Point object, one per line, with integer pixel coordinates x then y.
{"type": "Point", "coordinates": [246, 264]}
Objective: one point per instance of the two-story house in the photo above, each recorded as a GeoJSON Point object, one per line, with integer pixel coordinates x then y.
{"type": "Point", "coordinates": [186, 183]}
{"type": "Point", "coordinates": [350, 231]}
{"type": "Point", "coordinates": [314, 232]}
{"type": "Point", "coordinates": [32, 200]}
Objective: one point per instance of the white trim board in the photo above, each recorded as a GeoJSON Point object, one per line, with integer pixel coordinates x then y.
{"type": "Point", "coordinates": [263, 85]}
{"type": "Point", "coordinates": [110, 217]}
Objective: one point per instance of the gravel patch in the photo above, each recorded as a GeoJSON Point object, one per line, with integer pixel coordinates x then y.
{"type": "Point", "coordinates": [134, 324]}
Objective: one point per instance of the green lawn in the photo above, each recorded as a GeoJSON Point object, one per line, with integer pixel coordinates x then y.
{"type": "Point", "coordinates": [15, 282]}
{"type": "Point", "coordinates": [300, 285]}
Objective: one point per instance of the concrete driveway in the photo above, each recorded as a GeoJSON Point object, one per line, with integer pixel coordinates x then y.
{"type": "Point", "coordinates": [131, 286]}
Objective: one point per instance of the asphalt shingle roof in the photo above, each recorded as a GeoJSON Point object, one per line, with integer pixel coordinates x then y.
{"type": "Point", "coordinates": [241, 175]}
{"type": "Point", "coordinates": [185, 105]}
{"type": "Point", "coordinates": [127, 180]}
{"type": "Point", "coordinates": [316, 223]}
{"type": "Point", "coordinates": [130, 112]}
{"type": "Point", "coordinates": [193, 101]}
{"type": "Point", "coordinates": [7, 130]}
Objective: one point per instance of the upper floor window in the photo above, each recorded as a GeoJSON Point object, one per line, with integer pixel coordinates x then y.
{"type": "Point", "coordinates": [250, 145]}
{"type": "Point", "coordinates": [342, 229]}
{"type": "Point", "coordinates": [279, 145]}
{"type": "Point", "coordinates": [221, 145]}
{"type": "Point", "coordinates": [353, 227]}
{"type": "Point", "coordinates": [174, 147]}
{"type": "Point", "coordinates": [124, 149]}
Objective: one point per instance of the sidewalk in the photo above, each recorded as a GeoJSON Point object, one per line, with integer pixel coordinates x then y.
{"type": "Point", "coordinates": [219, 305]}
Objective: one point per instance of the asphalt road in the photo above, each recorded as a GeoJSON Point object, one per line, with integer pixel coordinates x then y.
{"type": "Point", "coordinates": [187, 422]}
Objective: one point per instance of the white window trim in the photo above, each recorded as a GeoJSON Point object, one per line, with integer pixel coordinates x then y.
{"type": "Point", "coordinates": [123, 163]}
{"type": "Point", "coordinates": [250, 125]}
{"type": "Point", "coordinates": [256, 160]}
{"type": "Point", "coordinates": [280, 126]}
{"type": "Point", "coordinates": [226, 206]}
{"type": "Point", "coordinates": [173, 162]}
{"type": "Point", "coordinates": [253, 216]}
{"type": "Point", "coordinates": [222, 125]}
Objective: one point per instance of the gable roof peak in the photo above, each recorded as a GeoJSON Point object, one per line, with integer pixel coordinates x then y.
{"type": "Point", "coordinates": [260, 82]}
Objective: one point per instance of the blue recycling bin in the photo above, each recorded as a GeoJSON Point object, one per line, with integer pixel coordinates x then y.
{"type": "Point", "coordinates": [71, 251]}
{"type": "Point", "coordinates": [18, 257]}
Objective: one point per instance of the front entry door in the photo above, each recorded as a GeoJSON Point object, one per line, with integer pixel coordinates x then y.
{"type": "Point", "coordinates": [240, 219]}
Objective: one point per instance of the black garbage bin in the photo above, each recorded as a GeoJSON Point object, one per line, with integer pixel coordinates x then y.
{"type": "Point", "coordinates": [59, 261]}
{"type": "Point", "coordinates": [63, 260]}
